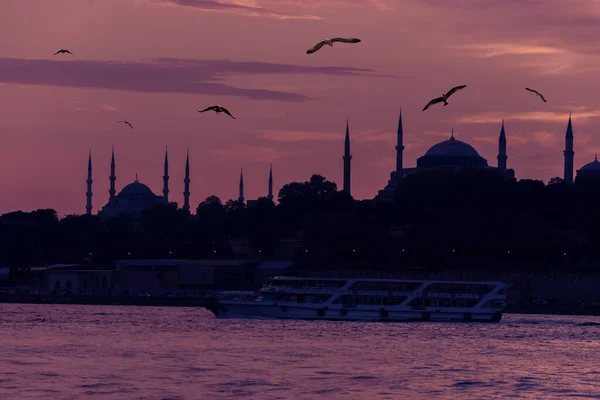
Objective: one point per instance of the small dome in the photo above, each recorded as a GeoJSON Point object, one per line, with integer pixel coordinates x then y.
{"type": "Point", "coordinates": [452, 148]}
{"type": "Point", "coordinates": [136, 188]}
{"type": "Point", "coordinates": [593, 166]}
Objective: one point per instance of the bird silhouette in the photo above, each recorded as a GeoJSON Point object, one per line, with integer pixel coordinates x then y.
{"type": "Point", "coordinates": [444, 97]}
{"type": "Point", "coordinates": [330, 42]}
{"type": "Point", "coordinates": [538, 93]}
{"type": "Point", "coordinates": [63, 51]}
{"type": "Point", "coordinates": [127, 122]}
{"type": "Point", "coordinates": [218, 109]}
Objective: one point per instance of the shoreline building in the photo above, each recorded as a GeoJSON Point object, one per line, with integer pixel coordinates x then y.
{"type": "Point", "coordinates": [448, 154]}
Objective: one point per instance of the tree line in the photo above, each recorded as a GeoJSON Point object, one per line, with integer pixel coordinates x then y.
{"type": "Point", "coordinates": [469, 218]}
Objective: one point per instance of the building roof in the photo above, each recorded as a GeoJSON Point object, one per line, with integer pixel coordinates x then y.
{"type": "Point", "coordinates": [593, 166]}
{"type": "Point", "coordinates": [452, 148]}
{"type": "Point", "coordinates": [136, 188]}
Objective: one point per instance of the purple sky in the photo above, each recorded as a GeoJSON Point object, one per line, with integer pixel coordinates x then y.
{"type": "Point", "coordinates": [156, 62]}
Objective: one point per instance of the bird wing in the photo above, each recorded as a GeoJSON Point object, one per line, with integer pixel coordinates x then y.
{"type": "Point", "coordinates": [345, 40]}
{"type": "Point", "coordinates": [131, 126]}
{"type": "Point", "coordinates": [315, 47]}
{"type": "Point", "coordinates": [57, 52]}
{"type": "Point", "coordinates": [208, 109]}
{"type": "Point", "coordinates": [542, 96]}
{"type": "Point", "coordinates": [226, 111]}
{"type": "Point", "coordinates": [432, 102]}
{"type": "Point", "coordinates": [455, 89]}
{"type": "Point", "coordinates": [67, 51]}
{"type": "Point", "coordinates": [531, 90]}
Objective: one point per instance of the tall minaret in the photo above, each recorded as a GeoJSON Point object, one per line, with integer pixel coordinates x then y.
{"type": "Point", "coordinates": [569, 153]}
{"type": "Point", "coordinates": [166, 178]}
{"type": "Point", "coordinates": [241, 198]}
{"type": "Point", "coordinates": [347, 157]}
{"type": "Point", "coordinates": [399, 147]}
{"type": "Point", "coordinates": [113, 178]}
{"type": "Point", "coordinates": [186, 182]}
{"type": "Point", "coordinates": [270, 195]}
{"type": "Point", "coordinates": [502, 149]}
{"type": "Point", "coordinates": [88, 194]}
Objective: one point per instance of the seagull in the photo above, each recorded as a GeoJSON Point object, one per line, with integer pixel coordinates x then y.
{"type": "Point", "coordinates": [444, 97]}
{"type": "Point", "coordinates": [217, 109]}
{"type": "Point", "coordinates": [127, 122]}
{"type": "Point", "coordinates": [538, 93]}
{"type": "Point", "coordinates": [63, 51]}
{"type": "Point", "coordinates": [329, 42]}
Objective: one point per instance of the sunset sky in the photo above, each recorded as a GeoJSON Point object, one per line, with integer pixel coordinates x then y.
{"type": "Point", "coordinates": [156, 62]}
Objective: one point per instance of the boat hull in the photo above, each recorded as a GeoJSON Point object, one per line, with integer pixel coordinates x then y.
{"type": "Point", "coordinates": [271, 311]}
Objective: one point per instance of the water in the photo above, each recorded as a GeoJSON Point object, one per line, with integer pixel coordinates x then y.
{"type": "Point", "coordinates": [108, 352]}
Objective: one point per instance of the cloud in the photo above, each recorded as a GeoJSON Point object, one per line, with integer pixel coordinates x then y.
{"type": "Point", "coordinates": [561, 33]}
{"type": "Point", "coordinates": [499, 49]}
{"type": "Point", "coordinates": [294, 137]}
{"type": "Point", "coordinates": [538, 116]}
{"type": "Point", "coordinates": [546, 139]}
{"type": "Point", "coordinates": [485, 139]}
{"type": "Point", "coordinates": [387, 163]}
{"type": "Point", "coordinates": [160, 76]}
{"type": "Point", "coordinates": [253, 153]}
{"type": "Point", "coordinates": [369, 135]}
{"type": "Point", "coordinates": [238, 7]}
{"type": "Point", "coordinates": [437, 133]}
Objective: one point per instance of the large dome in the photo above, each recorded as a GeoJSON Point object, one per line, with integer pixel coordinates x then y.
{"type": "Point", "coordinates": [136, 188]}
{"type": "Point", "coordinates": [452, 148]}
{"type": "Point", "coordinates": [594, 166]}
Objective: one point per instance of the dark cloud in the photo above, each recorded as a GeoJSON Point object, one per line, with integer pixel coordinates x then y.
{"type": "Point", "coordinates": [571, 25]}
{"type": "Point", "coordinates": [160, 76]}
{"type": "Point", "coordinates": [213, 5]}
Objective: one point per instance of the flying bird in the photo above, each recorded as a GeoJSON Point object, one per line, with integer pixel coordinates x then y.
{"type": "Point", "coordinates": [63, 51]}
{"type": "Point", "coordinates": [330, 42]}
{"type": "Point", "coordinates": [444, 97]}
{"type": "Point", "coordinates": [217, 109]}
{"type": "Point", "coordinates": [538, 93]}
{"type": "Point", "coordinates": [127, 122]}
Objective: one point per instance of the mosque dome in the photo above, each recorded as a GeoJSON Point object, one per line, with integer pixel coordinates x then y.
{"type": "Point", "coordinates": [136, 188]}
{"type": "Point", "coordinates": [452, 148]}
{"type": "Point", "coordinates": [451, 153]}
{"type": "Point", "coordinates": [593, 166]}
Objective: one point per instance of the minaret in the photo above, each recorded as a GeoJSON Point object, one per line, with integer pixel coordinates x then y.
{"type": "Point", "coordinates": [569, 153]}
{"type": "Point", "coordinates": [112, 177]}
{"type": "Point", "coordinates": [270, 194]}
{"type": "Point", "coordinates": [399, 146]}
{"type": "Point", "coordinates": [241, 198]}
{"type": "Point", "coordinates": [502, 149]}
{"type": "Point", "coordinates": [88, 206]}
{"type": "Point", "coordinates": [347, 157]}
{"type": "Point", "coordinates": [186, 182]}
{"type": "Point", "coordinates": [166, 178]}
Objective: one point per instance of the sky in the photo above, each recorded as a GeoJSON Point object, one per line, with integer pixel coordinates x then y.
{"type": "Point", "coordinates": [156, 62]}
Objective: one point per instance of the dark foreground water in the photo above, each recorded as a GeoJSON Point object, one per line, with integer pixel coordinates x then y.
{"type": "Point", "coordinates": [110, 352]}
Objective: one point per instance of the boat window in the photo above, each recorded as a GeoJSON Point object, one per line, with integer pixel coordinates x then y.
{"type": "Point", "coordinates": [386, 286]}
{"type": "Point", "coordinates": [473, 288]}
{"type": "Point", "coordinates": [496, 303]}
{"type": "Point", "coordinates": [431, 302]}
{"type": "Point", "coordinates": [291, 283]}
{"type": "Point", "coordinates": [459, 303]}
{"type": "Point", "coordinates": [417, 302]}
{"type": "Point", "coordinates": [311, 283]}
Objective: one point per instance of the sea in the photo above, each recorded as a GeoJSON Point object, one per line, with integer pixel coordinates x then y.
{"type": "Point", "coordinates": [126, 352]}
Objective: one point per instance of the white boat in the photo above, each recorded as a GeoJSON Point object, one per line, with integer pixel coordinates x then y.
{"type": "Point", "coordinates": [290, 297]}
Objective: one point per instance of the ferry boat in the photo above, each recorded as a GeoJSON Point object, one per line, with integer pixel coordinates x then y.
{"type": "Point", "coordinates": [289, 297]}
